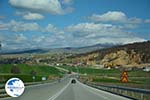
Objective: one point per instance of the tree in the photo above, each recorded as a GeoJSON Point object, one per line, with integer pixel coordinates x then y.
{"type": "Point", "coordinates": [15, 70]}
{"type": "Point", "coordinates": [33, 73]}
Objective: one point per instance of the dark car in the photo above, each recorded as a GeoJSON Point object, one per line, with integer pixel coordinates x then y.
{"type": "Point", "coordinates": [73, 81]}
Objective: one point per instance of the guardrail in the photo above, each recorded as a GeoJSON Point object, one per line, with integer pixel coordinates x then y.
{"type": "Point", "coordinates": [3, 93]}
{"type": "Point", "coordinates": [132, 93]}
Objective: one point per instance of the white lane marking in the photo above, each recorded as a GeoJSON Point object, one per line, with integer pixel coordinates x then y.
{"type": "Point", "coordinates": [58, 93]}
{"type": "Point", "coordinates": [93, 91]}
{"type": "Point", "coordinates": [106, 93]}
{"type": "Point", "coordinates": [98, 94]}
{"type": "Point", "coordinates": [36, 85]}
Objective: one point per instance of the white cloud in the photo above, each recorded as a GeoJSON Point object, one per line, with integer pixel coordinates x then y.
{"type": "Point", "coordinates": [147, 21]}
{"type": "Point", "coordinates": [87, 27]}
{"type": "Point", "coordinates": [2, 37]}
{"type": "Point", "coordinates": [20, 37]}
{"type": "Point", "coordinates": [134, 20]}
{"type": "Point", "coordinates": [122, 40]}
{"type": "Point", "coordinates": [12, 41]}
{"type": "Point", "coordinates": [90, 29]}
{"type": "Point", "coordinates": [2, 17]}
{"type": "Point", "coordinates": [67, 2]}
{"type": "Point", "coordinates": [109, 16]}
{"type": "Point", "coordinates": [130, 39]}
{"type": "Point", "coordinates": [21, 26]}
{"type": "Point", "coordinates": [3, 26]}
{"type": "Point", "coordinates": [114, 16]}
{"type": "Point", "coordinates": [51, 28]}
{"type": "Point", "coordinates": [81, 34]}
{"type": "Point", "coordinates": [38, 39]}
{"type": "Point", "coordinates": [91, 33]}
{"type": "Point", "coordinates": [33, 16]}
{"type": "Point", "coordinates": [49, 6]}
{"type": "Point", "coordinates": [129, 26]}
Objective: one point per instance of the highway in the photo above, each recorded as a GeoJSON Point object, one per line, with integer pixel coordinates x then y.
{"type": "Point", "coordinates": [65, 90]}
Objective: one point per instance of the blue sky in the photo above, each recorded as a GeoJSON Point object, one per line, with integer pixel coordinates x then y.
{"type": "Point", "coordinates": [28, 24]}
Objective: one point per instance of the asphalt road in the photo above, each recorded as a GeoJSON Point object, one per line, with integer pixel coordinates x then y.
{"type": "Point", "coordinates": [64, 90]}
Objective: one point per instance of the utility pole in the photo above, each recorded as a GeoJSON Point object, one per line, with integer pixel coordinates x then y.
{"type": "Point", "coordinates": [0, 45]}
{"type": "Point", "coordinates": [0, 48]}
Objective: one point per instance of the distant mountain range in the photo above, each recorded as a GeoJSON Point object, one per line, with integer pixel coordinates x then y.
{"type": "Point", "coordinates": [76, 50]}
{"type": "Point", "coordinates": [108, 55]}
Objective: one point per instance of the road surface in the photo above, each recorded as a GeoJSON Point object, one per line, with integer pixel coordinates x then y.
{"type": "Point", "coordinates": [64, 90]}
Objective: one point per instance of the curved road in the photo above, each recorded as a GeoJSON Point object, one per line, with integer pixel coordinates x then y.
{"type": "Point", "coordinates": [64, 90]}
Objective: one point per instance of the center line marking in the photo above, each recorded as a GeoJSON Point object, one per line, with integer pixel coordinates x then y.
{"type": "Point", "coordinates": [58, 93]}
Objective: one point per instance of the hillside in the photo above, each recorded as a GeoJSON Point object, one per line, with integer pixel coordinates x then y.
{"type": "Point", "coordinates": [135, 54]}
{"type": "Point", "coordinates": [129, 54]}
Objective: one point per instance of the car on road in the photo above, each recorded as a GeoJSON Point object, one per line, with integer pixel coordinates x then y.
{"type": "Point", "coordinates": [73, 81]}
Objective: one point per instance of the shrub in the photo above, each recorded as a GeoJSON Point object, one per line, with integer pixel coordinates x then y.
{"type": "Point", "coordinates": [15, 70]}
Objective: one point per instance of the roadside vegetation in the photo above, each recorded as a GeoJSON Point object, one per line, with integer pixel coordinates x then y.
{"type": "Point", "coordinates": [136, 78]}
{"type": "Point", "coordinates": [27, 72]}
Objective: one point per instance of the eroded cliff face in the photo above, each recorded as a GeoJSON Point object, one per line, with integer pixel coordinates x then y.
{"type": "Point", "coordinates": [121, 58]}
{"type": "Point", "coordinates": [118, 58]}
{"type": "Point", "coordinates": [134, 55]}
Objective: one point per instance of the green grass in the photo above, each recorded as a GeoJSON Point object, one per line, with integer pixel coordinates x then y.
{"type": "Point", "coordinates": [105, 80]}
{"type": "Point", "coordinates": [105, 72]}
{"type": "Point", "coordinates": [141, 80]}
{"type": "Point", "coordinates": [87, 70]}
{"type": "Point", "coordinates": [138, 73]}
{"type": "Point", "coordinates": [104, 75]}
{"type": "Point", "coordinates": [135, 76]}
{"type": "Point", "coordinates": [25, 78]}
{"type": "Point", "coordinates": [26, 69]}
{"type": "Point", "coordinates": [25, 72]}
